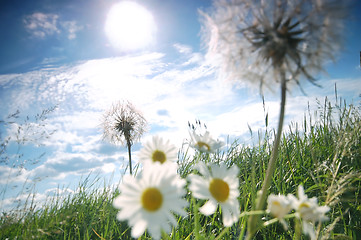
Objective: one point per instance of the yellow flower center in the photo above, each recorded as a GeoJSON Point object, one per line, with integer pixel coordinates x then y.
{"type": "Point", "coordinates": [152, 199]}
{"type": "Point", "coordinates": [219, 189]}
{"type": "Point", "coordinates": [203, 145]}
{"type": "Point", "coordinates": [305, 210]}
{"type": "Point", "coordinates": [159, 156]}
{"type": "Point", "coordinates": [303, 205]}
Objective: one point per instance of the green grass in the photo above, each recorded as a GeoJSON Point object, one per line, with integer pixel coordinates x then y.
{"type": "Point", "coordinates": [323, 154]}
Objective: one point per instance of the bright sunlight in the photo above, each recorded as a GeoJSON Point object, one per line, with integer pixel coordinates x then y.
{"type": "Point", "coordinates": [129, 26]}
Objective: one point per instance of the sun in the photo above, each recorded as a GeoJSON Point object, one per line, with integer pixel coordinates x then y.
{"type": "Point", "coordinates": [129, 26]}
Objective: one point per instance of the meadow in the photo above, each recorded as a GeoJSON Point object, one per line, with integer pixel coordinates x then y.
{"type": "Point", "coordinates": [323, 153]}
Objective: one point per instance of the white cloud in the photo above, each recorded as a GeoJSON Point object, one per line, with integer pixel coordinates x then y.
{"type": "Point", "coordinates": [181, 48]}
{"type": "Point", "coordinates": [189, 57]}
{"type": "Point", "coordinates": [42, 25]}
{"type": "Point", "coordinates": [72, 28]}
{"type": "Point", "coordinates": [13, 176]}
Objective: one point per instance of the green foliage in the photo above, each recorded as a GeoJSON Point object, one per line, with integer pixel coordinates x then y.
{"type": "Point", "coordinates": [323, 154]}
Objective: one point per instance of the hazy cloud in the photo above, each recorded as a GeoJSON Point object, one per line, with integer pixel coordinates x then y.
{"type": "Point", "coordinates": [42, 25]}
{"type": "Point", "coordinates": [72, 28]}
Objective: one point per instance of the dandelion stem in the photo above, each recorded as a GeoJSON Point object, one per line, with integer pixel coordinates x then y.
{"type": "Point", "coordinates": [129, 144]}
{"type": "Point", "coordinates": [252, 223]}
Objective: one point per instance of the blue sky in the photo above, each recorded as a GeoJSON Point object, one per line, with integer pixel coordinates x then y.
{"type": "Point", "coordinates": [56, 53]}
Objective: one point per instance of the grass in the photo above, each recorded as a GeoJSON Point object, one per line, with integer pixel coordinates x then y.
{"type": "Point", "coordinates": [323, 154]}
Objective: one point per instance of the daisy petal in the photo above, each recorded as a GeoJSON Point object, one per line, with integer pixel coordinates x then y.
{"type": "Point", "coordinates": [208, 208]}
{"type": "Point", "coordinates": [139, 228]}
{"type": "Point", "coordinates": [149, 201]}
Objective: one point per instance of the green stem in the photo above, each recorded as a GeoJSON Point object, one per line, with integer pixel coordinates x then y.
{"type": "Point", "coordinates": [253, 220]}
{"type": "Point", "coordinates": [251, 213]}
{"type": "Point", "coordinates": [165, 235]}
{"type": "Point", "coordinates": [224, 231]}
{"type": "Point", "coordinates": [196, 219]}
{"type": "Point", "coordinates": [274, 220]}
{"type": "Point", "coordinates": [297, 235]}
{"type": "Point", "coordinates": [272, 163]}
{"type": "Point", "coordinates": [130, 157]}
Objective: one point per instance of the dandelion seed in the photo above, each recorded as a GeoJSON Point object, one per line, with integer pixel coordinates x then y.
{"type": "Point", "coordinates": [219, 186]}
{"type": "Point", "coordinates": [157, 150]}
{"type": "Point", "coordinates": [149, 201]}
{"type": "Point", "coordinates": [308, 211]}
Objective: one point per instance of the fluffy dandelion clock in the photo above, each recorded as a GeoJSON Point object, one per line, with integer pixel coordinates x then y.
{"type": "Point", "coordinates": [204, 142]}
{"type": "Point", "coordinates": [219, 186]}
{"type": "Point", "coordinates": [308, 210]}
{"type": "Point", "coordinates": [275, 40]}
{"type": "Point", "coordinates": [123, 124]}
{"type": "Point", "coordinates": [149, 201]}
{"type": "Point", "coordinates": [158, 150]}
{"type": "Point", "coordinates": [279, 206]}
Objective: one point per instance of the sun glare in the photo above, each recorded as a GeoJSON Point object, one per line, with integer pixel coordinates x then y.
{"type": "Point", "coordinates": [129, 26]}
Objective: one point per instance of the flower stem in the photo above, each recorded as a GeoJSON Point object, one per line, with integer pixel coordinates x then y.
{"type": "Point", "coordinates": [253, 220]}
{"type": "Point", "coordinates": [129, 144]}
{"type": "Point", "coordinates": [196, 219]}
{"type": "Point", "coordinates": [297, 235]}
{"type": "Point", "coordinates": [165, 235]}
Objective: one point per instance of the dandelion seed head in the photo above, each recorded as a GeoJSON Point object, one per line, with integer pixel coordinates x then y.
{"type": "Point", "coordinates": [123, 123]}
{"type": "Point", "coordinates": [261, 42]}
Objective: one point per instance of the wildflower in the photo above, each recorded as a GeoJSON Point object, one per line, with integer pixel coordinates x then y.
{"type": "Point", "coordinates": [149, 201]}
{"type": "Point", "coordinates": [273, 41]}
{"type": "Point", "coordinates": [123, 124]}
{"type": "Point", "coordinates": [158, 151]}
{"type": "Point", "coordinates": [279, 206]}
{"type": "Point", "coordinates": [218, 186]}
{"type": "Point", "coordinates": [308, 210]}
{"type": "Point", "coordinates": [204, 142]}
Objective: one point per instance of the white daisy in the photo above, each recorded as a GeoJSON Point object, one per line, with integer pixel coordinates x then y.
{"type": "Point", "coordinates": [279, 206]}
{"type": "Point", "coordinates": [204, 142]}
{"type": "Point", "coordinates": [158, 151]}
{"type": "Point", "coordinates": [149, 201]}
{"type": "Point", "coordinates": [220, 186]}
{"type": "Point", "coordinates": [308, 210]}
